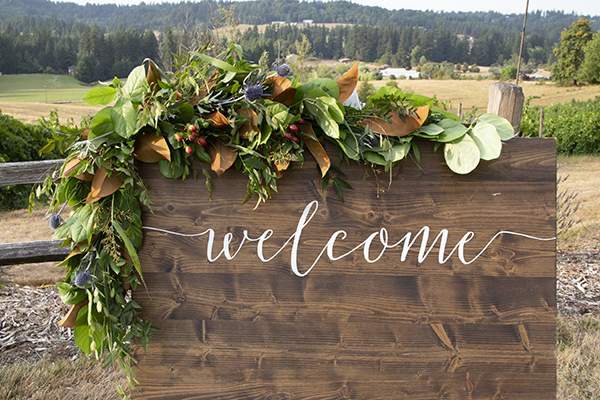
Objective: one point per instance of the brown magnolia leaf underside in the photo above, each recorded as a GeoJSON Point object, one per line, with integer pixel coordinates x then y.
{"type": "Point", "coordinates": [222, 157]}
{"type": "Point", "coordinates": [150, 148]}
{"type": "Point", "coordinates": [70, 319]}
{"type": "Point", "coordinates": [397, 127]}
{"type": "Point", "coordinates": [316, 149]}
{"type": "Point", "coordinates": [283, 91]}
{"type": "Point", "coordinates": [153, 76]}
{"type": "Point", "coordinates": [347, 83]}
{"type": "Point", "coordinates": [103, 185]}
{"type": "Point", "coordinates": [250, 125]}
{"type": "Point", "coordinates": [71, 165]}
{"type": "Point", "coordinates": [218, 120]}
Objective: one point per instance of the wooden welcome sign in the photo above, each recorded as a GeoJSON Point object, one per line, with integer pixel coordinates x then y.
{"type": "Point", "coordinates": [442, 286]}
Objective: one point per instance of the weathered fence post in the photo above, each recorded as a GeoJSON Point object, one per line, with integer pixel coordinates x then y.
{"type": "Point", "coordinates": [506, 100]}
{"type": "Point", "coordinates": [541, 121]}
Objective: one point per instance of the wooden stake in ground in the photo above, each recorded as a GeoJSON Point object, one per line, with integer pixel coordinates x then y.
{"type": "Point", "coordinates": [506, 100]}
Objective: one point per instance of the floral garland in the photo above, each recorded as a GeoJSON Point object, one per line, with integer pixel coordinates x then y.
{"type": "Point", "coordinates": [229, 113]}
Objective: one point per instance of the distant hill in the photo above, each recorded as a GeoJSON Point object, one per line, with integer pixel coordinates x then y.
{"type": "Point", "coordinates": [157, 16]}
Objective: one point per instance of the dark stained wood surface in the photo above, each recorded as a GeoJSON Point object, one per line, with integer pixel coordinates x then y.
{"type": "Point", "coordinates": [351, 329]}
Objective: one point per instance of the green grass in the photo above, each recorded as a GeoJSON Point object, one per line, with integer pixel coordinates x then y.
{"type": "Point", "coordinates": [41, 87]}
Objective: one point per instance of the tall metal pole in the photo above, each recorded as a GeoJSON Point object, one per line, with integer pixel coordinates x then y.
{"type": "Point", "coordinates": [522, 40]}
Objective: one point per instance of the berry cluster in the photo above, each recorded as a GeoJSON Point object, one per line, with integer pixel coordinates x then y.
{"type": "Point", "coordinates": [293, 132]}
{"type": "Point", "coordinates": [193, 137]}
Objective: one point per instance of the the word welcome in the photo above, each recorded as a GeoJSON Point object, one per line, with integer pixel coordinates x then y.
{"type": "Point", "coordinates": [381, 236]}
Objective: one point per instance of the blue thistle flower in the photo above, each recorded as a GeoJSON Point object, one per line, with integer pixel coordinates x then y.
{"type": "Point", "coordinates": [55, 221]}
{"type": "Point", "coordinates": [284, 70]}
{"type": "Point", "coordinates": [82, 279]}
{"type": "Point", "coordinates": [253, 93]}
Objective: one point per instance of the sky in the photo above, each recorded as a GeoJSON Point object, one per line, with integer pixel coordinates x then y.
{"type": "Point", "coordinates": [582, 7]}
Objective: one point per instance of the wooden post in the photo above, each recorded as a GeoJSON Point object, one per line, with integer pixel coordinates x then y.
{"type": "Point", "coordinates": [541, 121]}
{"type": "Point", "coordinates": [460, 110]}
{"type": "Point", "coordinates": [506, 100]}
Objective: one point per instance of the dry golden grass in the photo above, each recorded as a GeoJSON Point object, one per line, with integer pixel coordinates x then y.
{"type": "Point", "coordinates": [473, 93]}
{"type": "Point", "coordinates": [31, 111]}
{"type": "Point", "coordinates": [584, 179]}
{"type": "Point", "coordinates": [63, 379]}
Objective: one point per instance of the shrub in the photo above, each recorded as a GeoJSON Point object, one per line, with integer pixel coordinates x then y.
{"type": "Point", "coordinates": [575, 125]}
{"type": "Point", "coordinates": [20, 142]}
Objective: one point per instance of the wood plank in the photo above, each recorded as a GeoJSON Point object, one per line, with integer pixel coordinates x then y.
{"type": "Point", "coordinates": [382, 323]}
{"type": "Point", "coordinates": [280, 296]}
{"type": "Point", "coordinates": [32, 252]}
{"type": "Point", "coordinates": [16, 173]}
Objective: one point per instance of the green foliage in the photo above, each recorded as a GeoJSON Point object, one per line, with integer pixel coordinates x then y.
{"type": "Point", "coordinates": [575, 125]}
{"type": "Point", "coordinates": [509, 72]}
{"type": "Point", "coordinates": [570, 53]}
{"type": "Point", "coordinates": [20, 142]}
{"type": "Point", "coordinates": [590, 69]}
{"type": "Point", "coordinates": [224, 111]}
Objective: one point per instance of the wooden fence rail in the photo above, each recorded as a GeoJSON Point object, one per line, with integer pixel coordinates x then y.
{"type": "Point", "coordinates": [29, 252]}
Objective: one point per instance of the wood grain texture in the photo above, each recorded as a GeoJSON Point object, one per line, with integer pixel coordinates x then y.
{"type": "Point", "coordinates": [17, 173]}
{"type": "Point", "coordinates": [397, 328]}
{"type": "Point", "coordinates": [32, 252]}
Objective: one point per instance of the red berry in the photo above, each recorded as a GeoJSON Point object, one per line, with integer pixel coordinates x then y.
{"type": "Point", "coordinates": [293, 128]}
{"type": "Point", "coordinates": [192, 128]}
{"type": "Point", "coordinates": [179, 138]}
{"type": "Point", "coordinates": [287, 136]}
{"type": "Point", "coordinates": [202, 141]}
{"type": "Point", "coordinates": [189, 150]}
{"type": "Point", "coordinates": [300, 121]}
{"type": "Point", "coordinates": [193, 138]}
{"type": "Point", "coordinates": [295, 139]}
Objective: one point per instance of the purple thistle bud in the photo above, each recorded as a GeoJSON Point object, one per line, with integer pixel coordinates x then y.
{"type": "Point", "coordinates": [55, 221]}
{"type": "Point", "coordinates": [254, 92]}
{"type": "Point", "coordinates": [284, 70]}
{"type": "Point", "coordinates": [82, 278]}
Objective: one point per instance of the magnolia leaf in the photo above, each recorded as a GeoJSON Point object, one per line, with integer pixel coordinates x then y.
{"type": "Point", "coordinates": [487, 139]}
{"type": "Point", "coordinates": [250, 125]}
{"type": "Point", "coordinates": [103, 185]}
{"type": "Point", "coordinates": [462, 156]}
{"type": "Point", "coordinates": [136, 85]}
{"type": "Point", "coordinates": [100, 96]}
{"type": "Point", "coordinates": [73, 164]}
{"type": "Point", "coordinates": [396, 126]}
{"type": "Point", "coordinates": [347, 83]}
{"type": "Point", "coordinates": [503, 127]}
{"type": "Point", "coordinates": [153, 76]}
{"type": "Point", "coordinates": [223, 157]}
{"type": "Point", "coordinates": [124, 118]}
{"type": "Point", "coordinates": [327, 85]}
{"type": "Point", "coordinates": [283, 91]}
{"type": "Point", "coordinates": [218, 120]}
{"type": "Point", "coordinates": [70, 319]}
{"type": "Point", "coordinates": [317, 151]}
{"type": "Point", "coordinates": [336, 110]}
{"type": "Point", "coordinates": [150, 148]}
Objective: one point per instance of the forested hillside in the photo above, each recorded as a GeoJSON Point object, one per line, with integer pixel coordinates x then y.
{"type": "Point", "coordinates": [104, 41]}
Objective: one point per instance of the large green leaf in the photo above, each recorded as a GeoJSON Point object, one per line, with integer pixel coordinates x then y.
{"type": "Point", "coordinates": [328, 85]}
{"type": "Point", "coordinates": [136, 85]}
{"type": "Point", "coordinates": [397, 152]}
{"type": "Point", "coordinates": [321, 112]}
{"type": "Point", "coordinates": [429, 130]}
{"type": "Point", "coordinates": [503, 127]}
{"type": "Point", "coordinates": [100, 96]}
{"type": "Point", "coordinates": [70, 294]}
{"type": "Point", "coordinates": [452, 130]}
{"type": "Point", "coordinates": [124, 118]}
{"type": "Point", "coordinates": [101, 123]}
{"type": "Point", "coordinates": [462, 155]}
{"type": "Point", "coordinates": [487, 139]}
{"type": "Point", "coordinates": [335, 109]}
{"type": "Point", "coordinates": [130, 249]}
{"type": "Point", "coordinates": [83, 333]}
